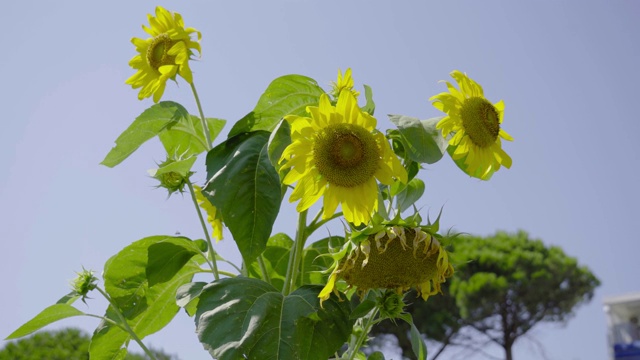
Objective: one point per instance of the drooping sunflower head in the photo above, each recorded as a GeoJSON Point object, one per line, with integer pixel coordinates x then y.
{"type": "Point", "coordinates": [338, 153]}
{"type": "Point", "coordinates": [214, 217]}
{"type": "Point", "coordinates": [343, 83]}
{"type": "Point", "coordinates": [475, 125]}
{"type": "Point", "coordinates": [395, 257]}
{"type": "Point", "coordinates": [164, 55]}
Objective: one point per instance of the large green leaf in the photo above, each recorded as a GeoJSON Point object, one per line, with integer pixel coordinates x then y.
{"type": "Point", "coordinates": [279, 139]}
{"type": "Point", "coordinates": [167, 257]}
{"type": "Point", "coordinates": [275, 258]}
{"type": "Point", "coordinates": [244, 318]}
{"type": "Point", "coordinates": [422, 141]}
{"type": "Point", "coordinates": [187, 296]}
{"type": "Point", "coordinates": [245, 187]}
{"type": "Point", "coordinates": [289, 94]}
{"type": "Point", "coordinates": [150, 123]}
{"type": "Point", "coordinates": [186, 138]}
{"type": "Point", "coordinates": [47, 316]}
{"type": "Point", "coordinates": [147, 309]}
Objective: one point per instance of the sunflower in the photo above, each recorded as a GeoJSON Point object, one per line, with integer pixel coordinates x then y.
{"type": "Point", "coordinates": [164, 55]}
{"type": "Point", "coordinates": [214, 218]}
{"type": "Point", "coordinates": [395, 257]}
{"type": "Point", "coordinates": [475, 123]}
{"type": "Point", "coordinates": [343, 83]}
{"type": "Point", "coordinates": [338, 153]}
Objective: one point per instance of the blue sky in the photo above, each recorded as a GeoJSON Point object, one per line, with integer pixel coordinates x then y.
{"type": "Point", "coordinates": [568, 73]}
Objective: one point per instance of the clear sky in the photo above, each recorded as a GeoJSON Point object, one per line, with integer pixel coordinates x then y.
{"type": "Point", "coordinates": [567, 71]}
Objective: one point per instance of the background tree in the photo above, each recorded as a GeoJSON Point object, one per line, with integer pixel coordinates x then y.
{"type": "Point", "coordinates": [503, 286]}
{"type": "Point", "coordinates": [64, 344]}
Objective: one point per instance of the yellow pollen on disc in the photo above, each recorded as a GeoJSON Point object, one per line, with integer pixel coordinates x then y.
{"type": "Point", "coordinates": [158, 52]}
{"type": "Point", "coordinates": [481, 121]}
{"type": "Point", "coordinates": [346, 155]}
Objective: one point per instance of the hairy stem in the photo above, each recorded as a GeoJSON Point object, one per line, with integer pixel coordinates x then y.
{"type": "Point", "coordinates": [293, 267]}
{"type": "Point", "coordinates": [212, 254]}
{"type": "Point", "coordinates": [205, 128]}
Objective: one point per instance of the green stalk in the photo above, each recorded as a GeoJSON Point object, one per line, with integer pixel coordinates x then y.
{"type": "Point", "coordinates": [368, 324]}
{"type": "Point", "coordinates": [127, 328]}
{"type": "Point", "coordinates": [211, 252]}
{"type": "Point", "coordinates": [294, 256]}
{"type": "Point", "coordinates": [205, 128]}
{"type": "Point", "coordinates": [263, 269]}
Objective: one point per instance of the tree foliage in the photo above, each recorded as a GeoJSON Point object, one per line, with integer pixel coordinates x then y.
{"type": "Point", "coordinates": [503, 286]}
{"type": "Point", "coordinates": [64, 344]}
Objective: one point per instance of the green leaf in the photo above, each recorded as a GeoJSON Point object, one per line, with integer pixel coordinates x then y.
{"type": "Point", "coordinates": [150, 123]}
{"type": "Point", "coordinates": [167, 257]}
{"type": "Point", "coordinates": [376, 356]}
{"type": "Point", "coordinates": [69, 299]}
{"type": "Point", "coordinates": [362, 309]}
{"type": "Point", "coordinates": [186, 138]}
{"type": "Point", "coordinates": [289, 94]}
{"type": "Point", "coordinates": [47, 316]}
{"type": "Point", "coordinates": [181, 167]}
{"type": "Point", "coordinates": [275, 258]}
{"type": "Point", "coordinates": [147, 309]}
{"type": "Point", "coordinates": [244, 318]}
{"type": "Point", "coordinates": [410, 194]}
{"type": "Point", "coordinates": [279, 139]}
{"type": "Point", "coordinates": [370, 106]}
{"type": "Point", "coordinates": [187, 296]}
{"type": "Point", "coordinates": [422, 141]}
{"type": "Point", "coordinates": [108, 340]}
{"type": "Point", "coordinates": [245, 187]}
{"type": "Point", "coordinates": [417, 342]}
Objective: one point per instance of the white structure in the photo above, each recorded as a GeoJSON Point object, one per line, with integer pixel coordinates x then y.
{"type": "Point", "coordinates": [623, 314]}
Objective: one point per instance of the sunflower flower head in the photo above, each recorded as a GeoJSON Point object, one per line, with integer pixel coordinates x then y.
{"type": "Point", "coordinates": [395, 257]}
{"type": "Point", "coordinates": [214, 217]}
{"type": "Point", "coordinates": [338, 153]}
{"type": "Point", "coordinates": [164, 55]}
{"type": "Point", "coordinates": [475, 125]}
{"type": "Point", "coordinates": [343, 83]}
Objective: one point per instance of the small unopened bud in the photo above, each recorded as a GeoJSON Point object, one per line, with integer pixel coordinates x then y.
{"type": "Point", "coordinates": [391, 304]}
{"type": "Point", "coordinates": [84, 283]}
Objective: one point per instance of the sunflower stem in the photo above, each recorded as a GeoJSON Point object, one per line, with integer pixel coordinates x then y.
{"type": "Point", "coordinates": [368, 321]}
{"type": "Point", "coordinates": [263, 269]}
{"type": "Point", "coordinates": [296, 255]}
{"type": "Point", "coordinates": [316, 225]}
{"type": "Point", "coordinates": [205, 128]}
{"type": "Point", "coordinates": [125, 324]}
{"type": "Point", "coordinates": [212, 254]}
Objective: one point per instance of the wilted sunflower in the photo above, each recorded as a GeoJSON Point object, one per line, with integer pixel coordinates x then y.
{"type": "Point", "coordinates": [475, 123]}
{"type": "Point", "coordinates": [338, 153]}
{"type": "Point", "coordinates": [214, 218]}
{"type": "Point", "coordinates": [343, 83]}
{"type": "Point", "coordinates": [395, 257]}
{"type": "Point", "coordinates": [164, 55]}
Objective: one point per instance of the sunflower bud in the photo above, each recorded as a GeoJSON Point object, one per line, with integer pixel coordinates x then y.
{"type": "Point", "coordinates": [171, 176]}
{"type": "Point", "coordinates": [391, 304]}
{"type": "Point", "coordinates": [84, 283]}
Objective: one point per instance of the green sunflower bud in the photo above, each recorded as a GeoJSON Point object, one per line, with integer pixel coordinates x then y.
{"type": "Point", "coordinates": [391, 304]}
{"type": "Point", "coordinates": [84, 283]}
